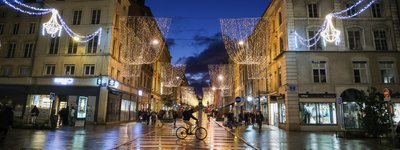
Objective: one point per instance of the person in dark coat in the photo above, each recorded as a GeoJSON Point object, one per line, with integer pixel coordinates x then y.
{"type": "Point", "coordinates": [174, 116]}
{"type": "Point", "coordinates": [6, 121]}
{"type": "Point", "coordinates": [259, 119]}
{"type": "Point", "coordinates": [34, 114]}
{"type": "Point", "coordinates": [246, 118]}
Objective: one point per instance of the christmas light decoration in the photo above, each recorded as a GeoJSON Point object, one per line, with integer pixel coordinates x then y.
{"type": "Point", "coordinates": [166, 90]}
{"type": "Point", "coordinates": [330, 34]}
{"type": "Point", "coordinates": [244, 38]}
{"type": "Point", "coordinates": [327, 30]}
{"type": "Point", "coordinates": [257, 71]}
{"type": "Point", "coordinates": [143, 38]}
{"type": "Point", "coordinates": [172, 75]}
{"type": "Point", "coordinates": [53, 27]}
{"type": "Point", "coordinates": [208, 95]}
{"type": "Point", "coordinates": [221, 76]}
{"type": "Point", "coordinates": [131, 70]}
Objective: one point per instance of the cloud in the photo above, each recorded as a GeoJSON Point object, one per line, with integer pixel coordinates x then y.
{"type": "Point", "coordinates": [197, 65]}
{"type": "Point", "coordinates": [171, 42]}
{"type": "Point", "coordinates": [206, 40]}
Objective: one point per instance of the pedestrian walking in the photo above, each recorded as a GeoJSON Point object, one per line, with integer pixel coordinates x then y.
{"type": "Point", "coordinates": [72, 116]}
{"type": "Point", "coordinates": [259, 119]}
{"type": "Point", "coordinates": [139, 116]}
{"type": "Point", "coordinates": [34, 114]}
{"type": "Point", "coordinates": [6, 121]}
{"type": "Point", "coordinates": [174, 116]}
{"type": "Point", "coordinates": [246, 118]}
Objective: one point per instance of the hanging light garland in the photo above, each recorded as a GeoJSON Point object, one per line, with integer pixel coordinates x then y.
{"type": "Point", "coordinates": [131, 70]}
{"type": "Point", "coordinates": [243, 39]}
{"type": "Point", "coordinates": [172, 75]}
{"type": "Point", "coordinates": [257, 71]}
{"type": "Point", "coordinates": [221, 76]}
{"type": "Point", "coordinates": [327, 31]}
{"type": "Point", "coordinates": [53, 27]}
{"type": "Point", "coordinates": [208, 95]}
{"type": "Point", "coordinates": [143, 38]}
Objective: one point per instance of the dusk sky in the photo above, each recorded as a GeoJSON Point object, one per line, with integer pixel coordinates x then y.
{"type": "Point", "coordinates": [194, 35]}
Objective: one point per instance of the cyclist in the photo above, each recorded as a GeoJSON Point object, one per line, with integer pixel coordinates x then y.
{"type": "Point", "coordinates": [187, 114]}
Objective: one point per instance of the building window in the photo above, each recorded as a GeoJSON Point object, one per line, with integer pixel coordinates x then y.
{"type": "Point", "coordinates": [96, 16]}
{"type": "Point", "coordinates": [318, 113]}
{"type": "Point", "coordinates": [1, 28]}
{"type": "Point", "coordinates": [69, 69]}
{"type": "Point", "coordinates": [380, 40]}
{"type": "Point", "coordinates": [50, 69]}
{"type": "Point", "coordinates": [312, 10]}
{"type": "Point", "coordinates": [77, 17]}
{"type": "Point", "coordinates": [387, 71]}
{"type": "Point", "coordinates": [279, 76]}
{"type": "Point", "coordinates": [354, 37]}
{"type": "Point", "coordinates": [25, 71]}
{"type": "Point", "coordinates": [318, 44]}
{"type": "Point", "coordinates": [281, 45]}
{"type": "Point", "coordinates": [54, 42]}
{"type": "Point", "coordinates": [16, 28]}
{"type": "Point", "coordinates": [6, 70]}
{"type": "Point", "coordinates": [376, 10]}
{"type": "Point", "coordinates": [92, 45]}
{"type": "Point", "coordinates": [319, 71]}
{"type": "Point", "coordinates": [11, 50]}
{"type": "Point", "coordinates": [360, 71]}
{"type": "Point", "coordinates": [72, 46]}
{"type": "Point", "coordinates": [89, 70]}
{"type": "Point", "coordinates": [32, 28]}
{"type": "Point", "coordinates": [28, 50]}
{"type": "Point", "coordinates": [351, 11]}
{"type": "Point", "coordinates": [282, 113]}
{"type": "Point", "coordinates": [280, 18]}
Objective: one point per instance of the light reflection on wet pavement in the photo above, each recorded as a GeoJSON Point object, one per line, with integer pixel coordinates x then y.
{"type": "Point", "coordinates": [141, 136]}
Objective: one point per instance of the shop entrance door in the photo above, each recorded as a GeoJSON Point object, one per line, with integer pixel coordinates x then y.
{"type": "Point", "coordinates": [273, 115]}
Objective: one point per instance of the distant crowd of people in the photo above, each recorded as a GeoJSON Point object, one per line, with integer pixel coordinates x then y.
{"type": "Point", "coordinates": [150, 117]}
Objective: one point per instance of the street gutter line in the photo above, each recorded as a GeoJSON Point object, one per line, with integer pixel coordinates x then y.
{"type": "Point", "coordinates": [235, 135]}
{"type": "Point", "coordinates": [142, 135]}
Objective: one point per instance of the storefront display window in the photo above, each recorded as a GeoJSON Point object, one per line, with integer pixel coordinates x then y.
{"type": "Point", "coordinates": [282, 113]}
{"type": "Point", "coordinates": [396, 117]}
{"type": "Point", "coordinates": [125, 105]}
{"type": "Point", "coordinates": [82, 104]}
{"type": "Point", "coordinates": [40, 101]}
{"type": "Point", "coordinates": [318, 113]}
{"type": "Point", "coordinates": [351, 115]}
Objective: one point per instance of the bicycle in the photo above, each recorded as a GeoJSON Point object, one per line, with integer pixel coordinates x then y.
{"type": "Point", "coordinates": [199, 132]}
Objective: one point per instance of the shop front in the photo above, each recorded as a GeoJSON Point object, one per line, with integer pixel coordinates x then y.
{"type": "Point", "coordinates": [318, 112]}
{"type": "Point", "coordinates": [273, 111]}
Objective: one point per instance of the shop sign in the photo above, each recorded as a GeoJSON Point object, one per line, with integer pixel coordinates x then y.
{"type": "Point", "coordinates": [340, 100]}
{"type": "Point", "coordinates": [63, 81]}
{"type": "Point", "coordinates": [52, 96]}
{"type": "Point", "coordinates": [317, 95]}
{"type": "Point", "coordinates": [113, 83]}
{"type": "Point", "coordinates": [292, 88]}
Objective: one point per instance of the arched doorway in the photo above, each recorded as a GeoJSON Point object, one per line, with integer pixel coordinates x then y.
{"type": "Point", "coordinates": [351, 110]}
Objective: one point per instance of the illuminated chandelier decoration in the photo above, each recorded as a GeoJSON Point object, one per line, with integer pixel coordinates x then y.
{"type": "Point", "coordinates": [327, 31]}
{"type": "Point", "coordinates": [221, 76]}
{"type": "Point", "coordinates": [143, 38]}
{"type": "Point", "coordinates": [54, 26]}
{"type": "Point", "coordinates": [244, 38]}
{"type": "Point", "coordinates": [257, 71]}
{"type": "Point", "coordinates": [172, 75]}
{"type": "Point", "coordinates": [330, 34]}
{"type": "Point", "coordinates": [131, 70]}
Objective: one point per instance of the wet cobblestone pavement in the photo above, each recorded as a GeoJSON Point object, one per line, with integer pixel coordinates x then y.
{"type": "Point", "coordinates": [141, 136]}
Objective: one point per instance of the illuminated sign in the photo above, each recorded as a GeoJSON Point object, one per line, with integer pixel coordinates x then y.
{"type": "Point", "coordinates": [140, 93]}
{"type": "Point", "coordinates": [113, 83]}
{"type": "Point", "coordinates": [63, 81]}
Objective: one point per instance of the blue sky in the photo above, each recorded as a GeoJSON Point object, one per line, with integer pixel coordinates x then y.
{"type": "Point", "coordinates": [194, 35]}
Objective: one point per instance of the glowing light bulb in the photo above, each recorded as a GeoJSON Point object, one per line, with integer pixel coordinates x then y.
{"type": "Point", "coordinates": [241, 42]}
{"type": "Point", "coordinates": [155, 42]}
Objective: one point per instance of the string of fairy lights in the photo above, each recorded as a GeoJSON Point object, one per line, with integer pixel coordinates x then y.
{"type": "Point", "coordinates": [328, 32]}
{"type": "Point", "coordinates": [56, 23]}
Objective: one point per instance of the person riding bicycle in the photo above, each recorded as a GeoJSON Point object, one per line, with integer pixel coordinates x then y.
{"type": "Point", "coordinates": [187, 114]}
